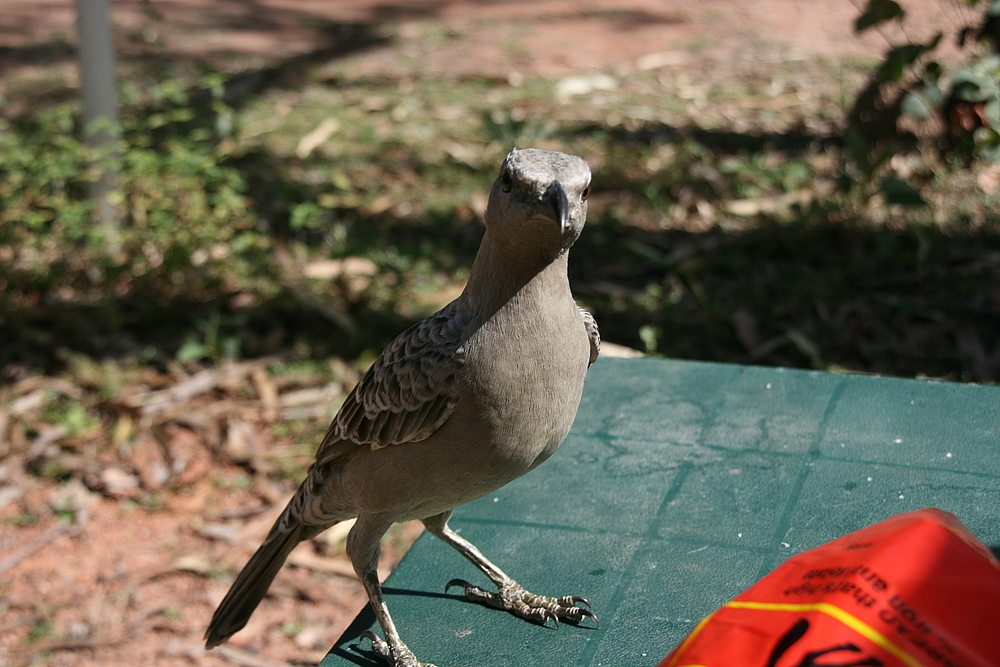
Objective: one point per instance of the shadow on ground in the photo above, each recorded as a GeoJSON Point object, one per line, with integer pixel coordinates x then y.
{"type": "Point", "coordinates": [813, 291]}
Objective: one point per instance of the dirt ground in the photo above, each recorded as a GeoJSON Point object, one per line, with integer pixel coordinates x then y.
{"type": "Point", "coordinates": [538, 37]}
{"type": "Point", "coordinates": [96, 574]}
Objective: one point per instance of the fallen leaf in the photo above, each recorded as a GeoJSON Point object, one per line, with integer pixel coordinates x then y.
{"type": "Point", "coordinates": [316, 138]}
{"type": "Point", "coordinates": [581, 85]}
{"type": "Point", "coordinates": [313, 636]}
{"type": "Point", "coordinates": [243, 441]}
{"type": "Point", "coordinates": [147, 457]}
{"type": "Point", "coordinates": [118, 483]}
{"type": "Point", "coordinates": [328, 269]}
{"type": "Point", "coordinates": [267, 393]}
{"type": "Point", "coordinates": [661, 59]}
{"type": "Point", "coordinates": [195, 563]}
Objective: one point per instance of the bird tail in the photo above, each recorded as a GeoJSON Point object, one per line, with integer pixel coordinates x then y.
{"type": "Point", "coordinates": [252, 583]}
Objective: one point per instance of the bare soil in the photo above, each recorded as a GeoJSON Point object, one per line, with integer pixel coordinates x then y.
{"type": "Point", "coordinates": [127, 565]}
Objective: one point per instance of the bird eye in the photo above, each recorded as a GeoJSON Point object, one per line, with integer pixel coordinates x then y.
{"type": "Point", "coordinates": [506, 182]}
{"type": "Point", "coordinates": [585, 194]}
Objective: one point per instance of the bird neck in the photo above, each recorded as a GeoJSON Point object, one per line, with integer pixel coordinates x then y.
{"type": "Point", "coordinates": [498, 279]}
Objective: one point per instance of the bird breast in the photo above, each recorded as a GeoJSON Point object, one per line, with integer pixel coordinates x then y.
{"type": "Point", "coordinates": [523, 378]}
{"type": "Point", "coordinates": [515, 397]}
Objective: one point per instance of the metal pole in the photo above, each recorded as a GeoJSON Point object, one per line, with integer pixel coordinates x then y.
{"type": "Point", "coordinates": [100, 110]}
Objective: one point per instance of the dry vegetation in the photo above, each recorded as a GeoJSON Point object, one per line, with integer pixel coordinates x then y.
{"type": "Point", "coordinates": [305, 179]}
{"type": "Point", "coordinates": [120, 532]}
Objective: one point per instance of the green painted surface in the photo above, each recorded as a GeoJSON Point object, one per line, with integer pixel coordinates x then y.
{"type": "Point", "coordinates": [680, 485]}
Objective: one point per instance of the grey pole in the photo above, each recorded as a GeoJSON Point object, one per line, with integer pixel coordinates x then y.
{"type": "Point", "coordinates": [100, 109]}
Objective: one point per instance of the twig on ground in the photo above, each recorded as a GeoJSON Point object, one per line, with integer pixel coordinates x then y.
{"type": "Point", "coordinates": [34, 545]}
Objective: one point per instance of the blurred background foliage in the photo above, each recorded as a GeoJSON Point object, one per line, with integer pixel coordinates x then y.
{"type": "Point", "coordinates": [836, 216]}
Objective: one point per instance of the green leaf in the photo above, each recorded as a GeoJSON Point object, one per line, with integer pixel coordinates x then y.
{"type": "Point", "coordinates": [893, 66]}
{"type": "Point", "coordinates": [899, 58]}
{"type": "Point", "coordinates": [857, 146]}
{"type": "Point", "coordinates": [191, 350]}
{"type": "Point", "coordinates": [933, 94]}
{"type": "Point", "coordinates": [977, 82]}
{"type": "Point", "coordinates": [900, 192]}
{"type": "Point", "coordinates": [922, 102]}
{"type": "Point", "coordinates": [306, 215]}
{"type": "Point", "coordinates": [878, 11]}
{"type": "Point", "coordinates": [991, 113]}
{"type": "Point", "coordinates": [990, 153]}
{"type": "Point", "coordinates": [985, 137]}
{"type": "Point", "coordinates": [650, 336]}
{"type": "Point", "coordinates": [914, 106]}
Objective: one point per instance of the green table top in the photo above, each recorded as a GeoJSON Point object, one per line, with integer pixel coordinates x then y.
{"type": "Point", "coordinates": [680, 485]}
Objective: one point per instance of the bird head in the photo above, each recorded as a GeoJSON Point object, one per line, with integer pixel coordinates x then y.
{"type": "Point", "coordinates": [539, 201]}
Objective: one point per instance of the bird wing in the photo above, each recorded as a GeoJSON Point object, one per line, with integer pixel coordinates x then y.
{"type": "Point", "coordinates": [590, 324]}
{"type": "Point", "coordinates": [408, 392]}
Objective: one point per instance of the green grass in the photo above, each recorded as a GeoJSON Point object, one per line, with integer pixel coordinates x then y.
{"type": "Point", "coordinates": [725, 224]}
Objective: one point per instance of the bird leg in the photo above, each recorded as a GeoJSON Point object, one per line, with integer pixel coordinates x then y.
{"type": "Point", "coordinates": [363, 550]}
{"type": "Point", "coordinates": [511, 596]}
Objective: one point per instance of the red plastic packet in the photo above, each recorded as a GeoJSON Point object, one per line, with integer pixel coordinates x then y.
{"type": "Point", "coordinates": [916, 590]}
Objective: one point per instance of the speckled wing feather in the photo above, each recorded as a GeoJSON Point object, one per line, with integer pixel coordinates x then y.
{"type": "Point", "coordinates": [407, 393]}
{"type": "Point", "coordinates": [590, 324]}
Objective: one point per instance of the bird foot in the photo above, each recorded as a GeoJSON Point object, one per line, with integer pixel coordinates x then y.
{"type": "Point", "coordinates": [399, 656]}
{"type": "Point", "coordinates": [535, 608]}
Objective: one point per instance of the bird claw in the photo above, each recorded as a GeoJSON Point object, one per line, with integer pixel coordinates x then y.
{"type": "Point", "coordinates": [379, 647]}
{"type": "Point", "coordinates": [536, 608]}
{"type": "Point", "coordinates": [586, 613]}
{"type": "Point", "coordinates": [462, 583]}
{"type": "Point", "coordinates": [402, 657]}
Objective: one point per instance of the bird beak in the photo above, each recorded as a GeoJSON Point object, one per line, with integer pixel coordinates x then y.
{"type": "Point", "coordinates": [556, 198]}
